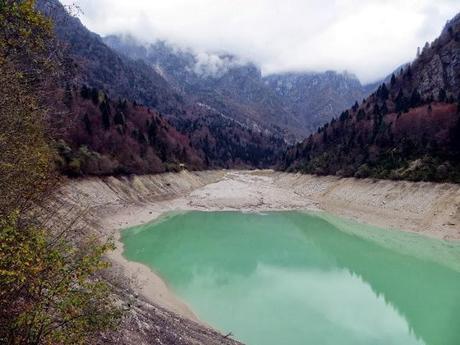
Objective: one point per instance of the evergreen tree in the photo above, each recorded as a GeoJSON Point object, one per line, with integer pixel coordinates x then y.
{"type": "Point", "coordinates": [68, 96]}
{"type": "Point", "coordinates": [122, 105]}
{"type": "Point", "coordinates": [355, 106]}
{"type": "Point", "coordinates": [376, 110]}
{"type": "Point", "coordinates": [87, 123]}
{"type": "Point", "coordinates": [119, 118]}
{"type": "Point", "coordinates": [383, 92]}
{"type": "Point", "coordinates": [442, 95]}
{"type": "Point", "coordinates": [95, 96]}
{"type": "Point", "coordinates": [401, 103]}
{"type": "Point", "coordinates": [344, 116]}
{"type": "Point", "coordinates": [455, 138]}
{"type": "Point", "coordinates": [408, 73]}
{"type": "Point", "coordinates": [426, 47]}
{"type": "Point", "coordinates": [105, 111]}
{"type": "Point", "coordinates": [415, 99]}
{"type": "Point", "coordinates": [393, 79]}
{"type": "Point", "coordinates": [152, 131]}
{"type": "Point", "coordinates": [384, 109]}
{"type": "Point", "coordinates": [85, 92]}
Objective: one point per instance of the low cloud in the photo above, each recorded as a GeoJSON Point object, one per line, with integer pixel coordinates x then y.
{"type": "Point", "coordinates": [369, 38]}
{"type": "Point", "coordinates": [213, 65]}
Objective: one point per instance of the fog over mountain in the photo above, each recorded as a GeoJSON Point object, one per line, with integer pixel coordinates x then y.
{"type": "Point", "coordinates": [369, 39]}
{"type": "Point", "coordinates": [408, 129]}
{"type": "Point", "coordinates": [261, 158]}
{"type": "Point", "coordinates": [288, 104]}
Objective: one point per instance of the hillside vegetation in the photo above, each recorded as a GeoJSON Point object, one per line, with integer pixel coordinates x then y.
{"type": "Point", "coordinates": [101, 136]}
{"type": "Point", "coordinates": [408, 129]}
{"type": "Point", "coordinates": [106, 137]}
{"type": "Point", "coordinates": [50, 290]}
{"type": "Point", "coordinates": [120, 116]}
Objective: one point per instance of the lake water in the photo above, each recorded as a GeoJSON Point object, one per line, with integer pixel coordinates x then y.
{"type": "Point", "coordinates": [290, 278]}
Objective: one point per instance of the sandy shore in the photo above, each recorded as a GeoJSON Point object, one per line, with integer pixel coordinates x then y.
{"type": "Point", "coordinates": [243, 191]}
{"type": "Point", "coordinates": [426, 208]}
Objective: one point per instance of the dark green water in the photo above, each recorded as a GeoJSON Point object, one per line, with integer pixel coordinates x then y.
{"type": "Point", "coordinates": [290, 278]}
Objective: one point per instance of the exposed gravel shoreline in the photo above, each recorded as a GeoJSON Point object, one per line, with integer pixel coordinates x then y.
{"type": "Point", "coordinates": [116, 203]}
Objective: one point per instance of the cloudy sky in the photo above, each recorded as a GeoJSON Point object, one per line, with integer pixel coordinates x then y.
{"type": "Point", "coordinates": [366, 37]}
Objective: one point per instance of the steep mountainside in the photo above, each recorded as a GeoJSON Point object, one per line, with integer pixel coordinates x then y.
{"type": "Point", "coordinates": [408, 129]}
{"type": "Point", "coordinates": [102, 68]}
{"type": "Point", "coordinates": [106, 137]}
{"type": "Point", "coordinates": [102, 136]}
{"type": "Point", "coordinates": [314, 98]}
{"type": "Point", "coordinates": [189, 132]}
{"type": "Point", "coordinates": [291, 104]}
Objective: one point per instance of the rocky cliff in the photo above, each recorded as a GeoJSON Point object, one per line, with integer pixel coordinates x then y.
{"type": "Point", "coordinates": [315, 98]}
{"type": "Point", "coordinates": [408, 129]}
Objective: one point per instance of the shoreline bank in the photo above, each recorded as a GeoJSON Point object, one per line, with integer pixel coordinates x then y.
{"type": "Point", "coordinates": [425, 208]}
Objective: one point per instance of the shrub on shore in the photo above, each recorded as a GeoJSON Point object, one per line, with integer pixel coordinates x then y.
{"type": "Point", "coordinates": [50, 290]}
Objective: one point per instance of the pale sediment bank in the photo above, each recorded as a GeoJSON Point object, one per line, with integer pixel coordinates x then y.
{"type": "Point", "coordinates": [431, 209]}
{"type": "Point", "coordinates": [116, 203]}
{"type": "Point", "coordinates": [112, 204]}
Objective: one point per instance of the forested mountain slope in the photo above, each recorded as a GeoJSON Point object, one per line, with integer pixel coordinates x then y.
{"type": "Point", "coordinates": [105, 136]}
{"type": "Point", "coordinates": [408, 129]}
{"type": "Point", "coordinates": [291, 105]}
{"type": "Point", "coordinates": [99, 66]}
{"type": "Point", "coordinates": [314, 98]}
{"type": "Point", "coordinates": [134, 120]}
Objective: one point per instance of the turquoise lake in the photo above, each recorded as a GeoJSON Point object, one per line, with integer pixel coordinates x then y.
{"type": "Point", "coordinates": [289, 278]}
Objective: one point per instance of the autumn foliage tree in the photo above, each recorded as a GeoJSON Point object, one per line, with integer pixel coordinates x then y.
{"type": "Point", "coordinates": [50, 292]}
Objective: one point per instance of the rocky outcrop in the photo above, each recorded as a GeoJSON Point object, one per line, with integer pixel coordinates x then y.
{"type": "Point", "coordinates": [315, 98]}
{"type": "Point", "coordinates": [147, 324]}
{"type": "Point", "coordinates": [438, 66]}
{"type": "Point", "coordinates": [409, 129]}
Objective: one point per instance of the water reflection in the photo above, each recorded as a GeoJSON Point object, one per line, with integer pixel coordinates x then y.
{"type": "Point", "coordinates": [294, 278]}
